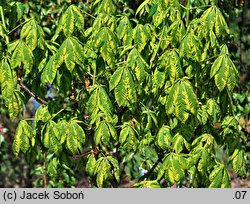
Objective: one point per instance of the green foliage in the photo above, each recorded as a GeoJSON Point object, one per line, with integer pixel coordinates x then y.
{"type": "Point", "coordinates": [144, 93]}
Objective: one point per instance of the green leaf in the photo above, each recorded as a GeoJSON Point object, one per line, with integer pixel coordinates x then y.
{"type": "Point", "coordinates": [115, 78]}
{"type": "Point", "coordinates": [51, 138]}
{"type": "Point", "coordinates": [104, 102]}
{"type": "Point", "coordinates": [91, 164]}
{"type": "Point", "coordinates": [141, 36]}
{"type": "Point", "coordinates": [23, 135]}
{"type": "Point", "coordinates": [70, 20]}
{"type": "Point", "coordinates": [224, 71]}
{"type": "Point", "coordinates": [174, 166]}
{"type": "Point", "coordinates": [70, 52]}
{"type": "Point", "coordinates": [115, 167]}
{"type": "Point", "coordinates": [103, 170]}
{"type": "Point", "coordinates": [102, 134]}
{"type": "Point", "coordinates": [164, 138]}
{"type": "Point", "coordinates": [107, 6]}
{"type": "Point", "coordinates": [49, 72]}
{"type": "Point", "coordinates": [219, 177]}
{"type": "Point", "coordinates": [179, 142]}
{"type": "Point", "coordinates": [170, 61]}
{"type": "Point", "coordinates": [238, 161]}
{"type": "Point", "coordinates": [125, 93]}
{"type": "Point", "coordinates": [124, 31]}
{"type": "Point", "coordinates": [22, 55]}
{"type": "Point", "coordinates": [190, 48]}
{"type": "Point", "coordinates": [106, 41]}
{"type": "Point", "coordinates": [215, 21]}
{"type": "Point", "coordinates": [182, 100]}
{"type": "Point", "coordinates": [128, 139]}
{"type": "Point", "coordinates": [14, 105]}
{"type": "Point", "coordinates": [138, 64]}
{"type": "Point", "coordinates": [148, 184]}
{"type": "Point", "coordinates": [8, 80]}
{"type": "Point", "coordinates": [76, 137]}
{"type": "Point", "coordinates": [33, 34]}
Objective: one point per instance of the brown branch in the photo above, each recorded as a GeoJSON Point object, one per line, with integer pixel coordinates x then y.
{"type": "Point", "coordinates": [22, 86]}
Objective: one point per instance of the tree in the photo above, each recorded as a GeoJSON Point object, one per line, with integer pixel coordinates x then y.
{"type": "Point", "coordinates": [146, 94]}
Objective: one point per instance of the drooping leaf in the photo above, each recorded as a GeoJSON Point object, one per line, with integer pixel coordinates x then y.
{"type": "Point", "coordinates": [238, 161]}
{"type": "Point", "coordinates": [106, 41]}
{"type": "Point", "coordinates": [8, 80]}
{"type": "Point", "coordinates": [70, 20]}
{"type": "Point", "coordinates": [70, 53]}
{"type": "Point", "coordinates": [22, 55]}
{"type": "Point", "coordinates": [182, 100]}
{"type": "Point", "coordinates": [224, 71]}
{"type": "Point", "coordinates": [91, 164]}
{"type": "Point", "coordinates": [125, 93]}
{"type": "Point", "coordinates": [164, 138]}
{"type": "Point", "coordinates": [33, 34]}
{"type": "Point", "coordinates": [124, 31]}
{"type": "Point", "coordinates": [23, 135]}
{"type": "Point", "coordinates": [219, 177]}
{"type": "Point", "coordinates": [138, 64]}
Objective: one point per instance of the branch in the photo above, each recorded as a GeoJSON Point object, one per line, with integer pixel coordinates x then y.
{"type": "Point", "coordinates": [146, 176]}
{"type": "Point", "coordinates": [22, 86]}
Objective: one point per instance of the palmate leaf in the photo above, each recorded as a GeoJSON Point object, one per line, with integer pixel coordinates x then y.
{"type": "Point", "coordinates": [190, 48]}
{"type": "Point", "coordinates": [52, 167]}
{"type": "Point", "coordinates": [103, 171]}
{"type": "Point", "coordinates": [115, 78]}
{"type": "Point", "coordinates": [14, 104]}
{"type": "Point", "coordinates": [124, 31]}
{"type": "Point", "coordinates": [43, 114]}
{"type": "Point", "coordinates": [8, 80]}
{"type": "Point", "coordinates": [148, 184]}
{"type": "Point", "coordinates": [179, 143]}
{"type": "Point", "coordinates": [138, 64]}
{"type": "Point", "coordinates": [33, 34]}
{"type": "Point", "coordinates": [115, 166]}
{"type": "Point", "coordinates": [23, 135]}
{"type": "Point", "coordinates": [141, 36]}
{"type": "Point", "coordinates": [76, 137]}
{"type": "Point", "coordinates": [158, 80]}
{"type": "Point", "coordinates": [102, 134]}
{"type": "Point", "coordinates": [164, 138]}
{"type": "Point", "coordinates": [91, 164]}
{"type": "Point", "coordinates": [176, 31]}
{"type": "Point", "coordinates": [238, 161]}
{"type": "Point", "coordinates": [181, 100]}
{"type": "Point", "coordinates": [70, 53]}
{"type": "Point", "coordinates": [104, 103]}
{"type": "Point", "coordinates": [106, 41]}
{"type": "Point", "coordinates": [173, 168]}
{"type": "Point", "coordinates": [49, 72]}
{"type": "Point", "coordinates": [215, 21]}
{"type": "Point", "coordinates": [128, 138]}
{"type": "Point", "coordinates": [125, 93]}
{"type": "Point", "coordinates": [107, 6]}
{"type": "Point", "coordinates": [22, 55]}
{"type": "Point", "coordinates": [170, 62]}
{"type": "Point", "coordinates": [224, 71]}
{"type": "Point", "coordinates": [70, 20]}
{"type": "Point", "coordinates": [51, 138]}
{"type": "Point", "coordinates": [205, 141]}
{"type": "Point", "coordinates": [219, 177]}
{"type": "Point", "coordinates": [92, 104]}
{"type": "Point", "coordinates": [213, 109]}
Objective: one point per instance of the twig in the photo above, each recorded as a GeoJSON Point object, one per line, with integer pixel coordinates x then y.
{"type": "Point", "coordinates": [21, 85]}
{"type": "Point", "coordinates": [146, 176]}
{"type": "Point", "coordinates": [44, 171]}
